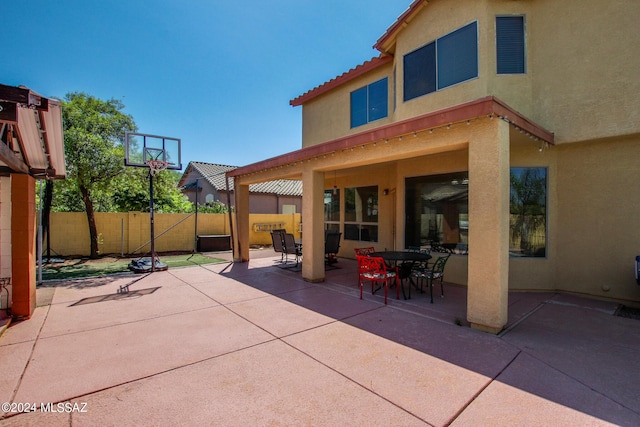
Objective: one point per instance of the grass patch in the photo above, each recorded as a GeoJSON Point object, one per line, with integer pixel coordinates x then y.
{"type": "Point", "coordinates": [79, 268]}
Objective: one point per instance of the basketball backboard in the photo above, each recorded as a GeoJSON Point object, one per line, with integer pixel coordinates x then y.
{"type": "Point", "coordinates": [140, 147]}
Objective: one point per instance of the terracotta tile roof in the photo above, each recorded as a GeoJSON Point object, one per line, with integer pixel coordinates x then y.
{"type": "Point", "coordinates": [342, 79]}
{"type": "Point", "coordinates": [398, 24]}
{"type": "Point", "coordinates": [215, 175]}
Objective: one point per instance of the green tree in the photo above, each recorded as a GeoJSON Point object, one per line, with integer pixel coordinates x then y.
{"type": "Point", "coordinates": [131, 192]}
{"type": "Point", "coordinates": [93, 133]}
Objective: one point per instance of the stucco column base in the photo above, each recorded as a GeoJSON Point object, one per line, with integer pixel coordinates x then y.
{"type": "Point", "coordinates": [485, 328]}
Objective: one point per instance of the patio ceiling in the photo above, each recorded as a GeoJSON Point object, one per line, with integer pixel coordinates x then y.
{"type": "Point", "coordinates": [485, 107]}
{"type": "Point", "coordinates": [31, 140]}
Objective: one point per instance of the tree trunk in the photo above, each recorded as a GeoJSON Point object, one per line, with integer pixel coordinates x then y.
{"type": "Point", "coordinates": [91, 218]}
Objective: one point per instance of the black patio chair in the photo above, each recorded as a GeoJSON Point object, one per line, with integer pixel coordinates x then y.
{"type": "Point", "coordinates": [404, 270]}
{"type": "Point", "coordinates": [276, 239]}
{"type": "Point", "coordinates": [436, 272]}
{"type": "Point", "coordinates": [290, 247]}
{"type": "Point", "coordinates": [331, 247]}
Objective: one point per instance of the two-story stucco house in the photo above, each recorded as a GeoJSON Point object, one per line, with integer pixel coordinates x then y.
{"type": "Point", "coordinates": [506, 132]}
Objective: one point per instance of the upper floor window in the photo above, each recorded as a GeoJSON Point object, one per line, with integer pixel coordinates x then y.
{"type": "Point", "coordinates": [510, 47]}
{"type": "Point", "coordinates": [369, 103]}
{"type": "Point", "coordinates": [449, 60]}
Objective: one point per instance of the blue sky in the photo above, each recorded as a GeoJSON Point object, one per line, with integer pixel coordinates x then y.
{"type": "Point", "coordinates": [218, 74]}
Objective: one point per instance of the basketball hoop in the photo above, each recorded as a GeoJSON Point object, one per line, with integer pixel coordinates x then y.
{"type": "Point", "coordinates": [156, 166]}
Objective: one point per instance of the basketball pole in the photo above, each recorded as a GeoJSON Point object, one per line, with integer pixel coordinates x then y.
{"type": "Point", "coordinates": [153, 246]}
{"type": "Point", "coordinates": [156, 153]}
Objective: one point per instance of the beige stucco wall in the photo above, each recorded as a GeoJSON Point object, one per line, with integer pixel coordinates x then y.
{"type": "Point", "coordinates": [585, 68]}
{"type": "Point", "coordinates": [599, 235]}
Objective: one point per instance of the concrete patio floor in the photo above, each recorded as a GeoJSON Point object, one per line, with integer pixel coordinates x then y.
{"type": "Point", "coordinates": [253, 344]}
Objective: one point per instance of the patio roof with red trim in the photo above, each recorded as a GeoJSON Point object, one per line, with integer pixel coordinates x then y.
{"type": "Point", "coordinates": [489, 106]}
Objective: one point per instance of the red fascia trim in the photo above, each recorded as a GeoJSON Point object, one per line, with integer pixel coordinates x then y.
{"type": "Point", "coordinates": [486, 106]}
{"type": "Point", "coordinates": [503, 110]}
{"type": "Point", "coordinates": [342, 79]}
{"type": "Point", "coordinates": [414, 7]}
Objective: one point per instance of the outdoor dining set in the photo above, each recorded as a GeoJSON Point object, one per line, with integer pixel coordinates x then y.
{"type": "Point", "coordinates": [414, 267]}
{"type": "Point", "coordinates": [394, 268]}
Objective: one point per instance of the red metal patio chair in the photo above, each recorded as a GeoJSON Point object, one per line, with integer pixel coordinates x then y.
{"type": "Point", "coordinates": [374, 270]}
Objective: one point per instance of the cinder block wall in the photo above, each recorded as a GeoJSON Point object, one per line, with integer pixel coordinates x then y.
{"type": "Point", "coordinates": [129, 233]}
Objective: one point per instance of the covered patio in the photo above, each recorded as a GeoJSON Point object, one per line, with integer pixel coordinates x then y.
{"type": "Point", "coordinates": [481, 137]}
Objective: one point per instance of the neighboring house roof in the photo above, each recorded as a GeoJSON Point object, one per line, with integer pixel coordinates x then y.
{"type": "Point", "coordinates": [31, 138]}
{"type": "Point", "coordinates": [215, 175]}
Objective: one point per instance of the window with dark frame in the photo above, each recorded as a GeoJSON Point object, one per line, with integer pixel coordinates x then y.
{"type": "Point", "coordinates": [369, 103]}
{"type": "Point", "coordinates": [420, 72]}
{"type": "Point", "coordinates": [510, 45]}
{"type": "Point", "coordinates": [458, 56]}
{"type": "Point", "coordinates": [332, 209]}
{"type": "Point", "coordinates": [447, 61]}
{"type": "Point", "coordinates": [528, 212]}
{"type": "Point", "coordinates": [437, 212]}
{"type": "Point", "coordinates": [361, 213]}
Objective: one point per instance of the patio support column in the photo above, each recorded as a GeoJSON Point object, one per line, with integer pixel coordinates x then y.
{"type": "Point", "coordinates": [23, 244]}
{"type": "Point", "coordinates": [489, 185]}
{"type": "Point", "coordinates": [313, 226]}
{"type": "Point", "coordinates": [241, 238]}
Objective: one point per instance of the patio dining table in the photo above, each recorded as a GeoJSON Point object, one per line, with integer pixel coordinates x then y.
{"type": "Point", "coordinates": [393, 257]}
